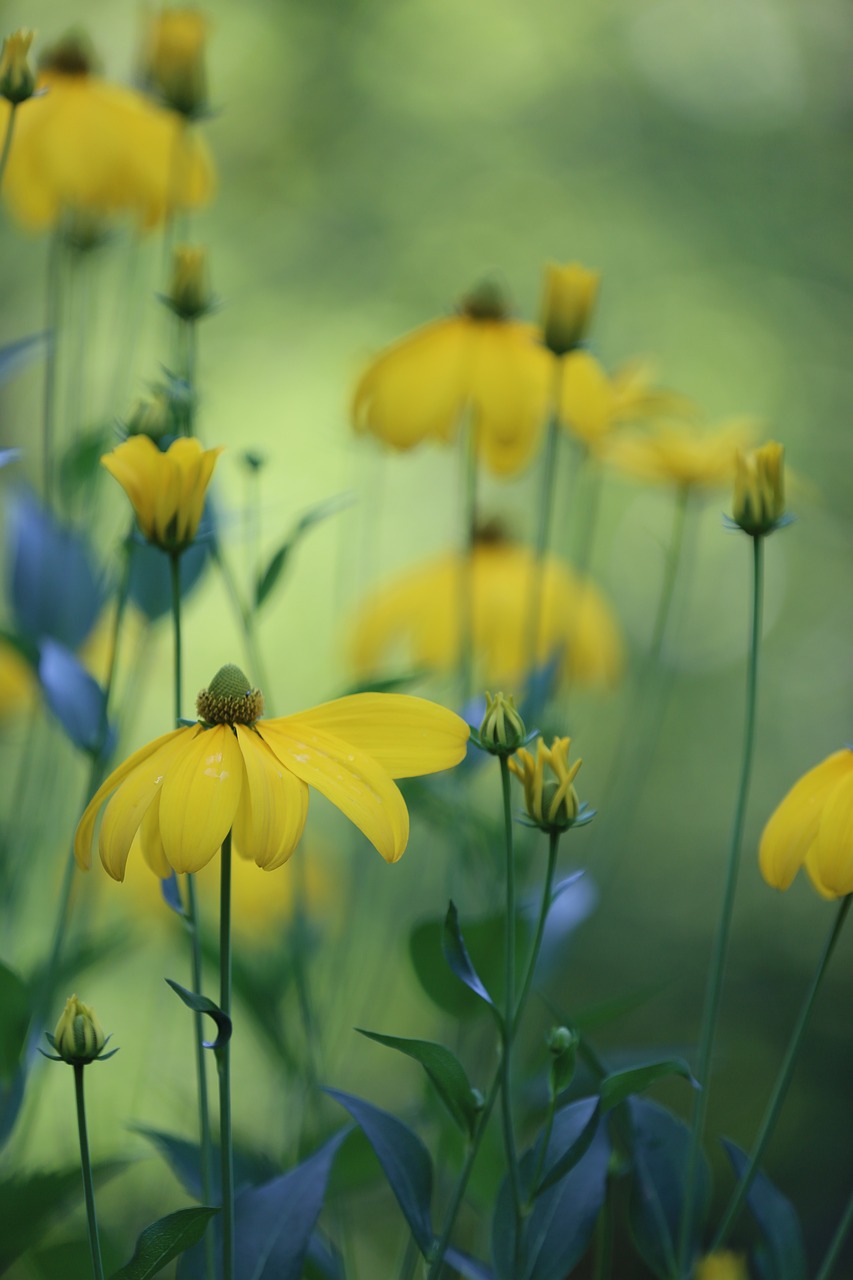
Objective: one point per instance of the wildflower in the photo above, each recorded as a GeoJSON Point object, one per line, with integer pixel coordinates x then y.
{"type": "Point", "coordinates": [549, 794]}
{"type": "Point", "coordinates": [167, 490]}
{"type": "Point", "coordinates": [189, 293]}
{"type": "Point", "coordinates": [420, 613]}
{"type": "Point", "coordinates": [17, 682]}
{"type": "Point", "coordinates": [813, 827]}
{"type": "Point", "coordinates": [681, 454]}
{"type": "Point", "coordinates": [567, 306]}
{"type": "Point", "coordinates": [90, 147]}
{"type": "Point", "coordinates": [78, 1037]}
{"type": "Point", "coordinates": [759, 497]}
{"type": "Point", "coordinates": [185, 791]}
{"type": "Point", "coordinates": [174, 59]}
{"type": "Point", "coordinates": [593, 404]}
{"type": "Point", "coordinates": [502, 730]}
{"type": "Point", "coordinates": [722, 1265]}
{"type": "Point", "coordinates": [480, 361]}
{"type": "Point", "coordinates": [17, 79]}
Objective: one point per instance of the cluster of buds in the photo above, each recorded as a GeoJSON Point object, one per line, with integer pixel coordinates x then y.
{"type": "Point", "coordinates": [78, 1037]}
{"type": "Point", "coordinates": [567, 306]}
{"type": "Point", "coordinates": [17, 78]}
{"type": "Point", "coordinates": [758, 506]}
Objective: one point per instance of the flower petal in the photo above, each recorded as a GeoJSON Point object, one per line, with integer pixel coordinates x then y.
{"type": "Point", "coordinates": [354, 783]}
{"type": "Point", "coordinates": [125, 812]}
{"type": "Point", "coordinates": [273, 806]}
{"type": "Point", "coordinates": [793, 827]}
{"type": "Point", "coordinates": [200, 797]}
{"type": "Point", "coordinates": [151, 842]}
{"type": "Point", "coordinates": [407, 736]}
{"type": "Point", "coordinates": [86, 825]}
{"type": "Point", "coordinates": [509, 382]}
{"type": "Point", "coordinates": [833, 848]}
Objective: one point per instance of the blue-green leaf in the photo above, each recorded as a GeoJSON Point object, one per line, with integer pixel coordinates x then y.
{"type": "Point", "coordinates": [203, 1004]}
{"type": "Point", "coordinates": [485, 941]}
{"type": "Point", "coordinates": [184, 1159]}
{"type": "Point", "coordinates": [165, 1240]}
{"type": "Point", "coordinates": [619, 1085]}
{"type": "Point", "coordinates": [271, 574]}
{"type": "Point", "coordinates": [776, 1218]}
{"type": "Point", "coordinates": [456, 955]}
{"type": "Point", "coordinates": [573, 1130]}
{"type": "Point", "coordinates": [14, 1021]}
{"type": "Point", "coordinates": [446, 1073]}
{"type": "Point", "coordinates": [29, 1205]}
{"type": "Point", "coordinates": [404, 1159]}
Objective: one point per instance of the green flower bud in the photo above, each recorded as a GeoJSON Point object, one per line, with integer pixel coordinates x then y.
{"type": "Point", "coordinates": [563, 1046]}
{"type": "Point", "coordinates": [189, 293]}
{"type": "Point", "coordinates": [17, 78]}
{"type": "Point", "coordinates": [759, 496]}
{"type": "Point", "coordinates": [567, 306]}
{"type": "Point", "coordinates": [79, 1037]}
{"type": "Point", "coordinates": [152, 416]}
{"type": "Point", "coordinates": [502, 731]}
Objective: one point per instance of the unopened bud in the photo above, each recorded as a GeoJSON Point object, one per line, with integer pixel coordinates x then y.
{"type": "Point", "coordinates": [151, 416]}
{"type": "Point", "coordinates": [502, 731]}
{"type": "Point", "coordinates": [563, 1046]}
{"type": "Point", "coordinates": [17, 78]}
{"type": "Point", "coordinates": [174, 60]}
{"type": "Point", "coordinates": [567, 305]}
{"type": "Point", "coordinates": [758, 505]}
{"type": "Point", "coordinates": [79, 1037]}
{"type": "Point", "coordinates": [189, 293]}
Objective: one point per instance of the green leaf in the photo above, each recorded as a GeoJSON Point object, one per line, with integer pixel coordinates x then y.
{"type": "Point", "coordinates": [484, 941]}
{"type": "Point", "coordinates": [203, 1004]}
{"type": "Point", "coordinates": [270, 576]}
{"type": "Point", "coordinates": [165, 1240]}
{"type": "Point", "coordinates": [14, 1021]}
{"type": "Point", "coordinates": [446, 1073]}
{"type": "Point", "coordinates": [81, 461]}
{"type": "Point", "coordinates": [184, 1159]}
{"type": "Point", "coordinates": [456, 955]}
{"type": "Point", "coordinates": [573, 1130]}
{"type": "Point", "coordinates": [28, 1206]}
{"type": "Point", "coordinates": [777, 1220]}
{"type": "Point", "coordinates": [620, 1085]}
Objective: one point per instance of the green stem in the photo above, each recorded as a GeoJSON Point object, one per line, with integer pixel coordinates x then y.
{"type": "Point", "coordinates": [54, 292]}
{"type": "Point", "coordinates": [721, 939]}
{"type": "Point", "coordinates": [545, 907]}
{"type": "Point", "coordinates": [466, 575]}
{"type": "Point", "coordinates": [543, 1147]}
{"type": "Point", "coordinates": [670, 576]}
{"type": "Point", "coordinates": [223, 1065]}
{"type": "Point", "coordinates": [509, 1010]}
{"type": "Point", "coordinates": [175, 567]}
{"type": "Point", "coordinates": [783, 1080]}
{"type": "Point", "coordinates": [837, 1243]}
{"type": "Point", "coordinates": [604, 1237]}
{"type": "Point", "coordinates": [86, 1166]}
{"type": "Point", "coordinates": [7, 141]}
{"type": "Point", "coordinates": [543, 536]}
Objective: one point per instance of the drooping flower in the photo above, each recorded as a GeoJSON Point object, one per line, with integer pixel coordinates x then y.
{"type": "Point", "coordinates": [420, 614]}
{"type": "Point", "coordinates": [682, 454]}
{"type": "Point", "coordinates": [548, 780]}
{"type": "Point", "coordinates": [167, 489]}
{"type": "Point", "coordinates": [185, 791]}
{"type": "Point", "coordinates": [759, 496]}
{"type": "Point", "coordinates": [174, 59]}
{"type": "Point", "coordinates": [88, 147]}
{"type": "Point", "coordinates": [813, 827]}
{"type": "Point", "coordinates": [594, 404]}
{"type": "Point", "coordinates": [568, 302]}
{"type": "Point", "coordinates": [479, 361]}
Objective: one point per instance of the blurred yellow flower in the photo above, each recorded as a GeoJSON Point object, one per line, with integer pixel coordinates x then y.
{"type": "Point", "coordinates": [17, 79]}
{"type": "Point", "coordinates": [567, 305]}
{"type": "Point", "coordinates": [548, 780]}
{"type": "Point", "coordinates": [593, 404]}
{"type": "Point", "coordinates": [185, 791]}
{"type": "Point", "coordinates": [723, 1265]}
{"type": "Point", "coordinates": [480, 361]}
{"type": "Point", "coordinates": [420, 612]}
{"type": "Point", "coordinates": [17, 682]}
{"type": "Point", "coordinates": [813, 827]}
{"type": "Point", "coordinates": [174, 58]}
{"type": "Point", "coordinates": [167, 490]}
{"type": "Point", "coordinates": [89, 147]}
{"type": "Point", "coordinates": [759, 497]}
{"type": "Point", "coordinates": [682, 454]}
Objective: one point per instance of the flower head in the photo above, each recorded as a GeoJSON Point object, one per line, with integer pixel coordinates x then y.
{"type": "Point", "coordinates": [98, 149]}
{"type": "Point", "coordinates": [594, 404]}
{"type": "Point", "coordinates": [549, 794]}
{"type": "Point", "coordinates": [78, 1037]}
{"type": "Point", "coordinates": [184, 792]}
{"type": "Point", "coordinates": [681, 454]}
{"type": "Point", "coordinates": [569, 299]}
{"type": "Point", "coordinates": [813, 827]}
{"type": "Point", "coordinates": [167, 490]}
{"type": "Point", "coordinates": [421, 613]}
{"type": "Point", "coordinates": [174, 59]}
{"type": "Point", "coordinates": [189, 293]}
{"type": "Point", "coordinates": [479, 361]}
{"type": "Point", "coordinates": [759, 496]}
{"type": "Point", "coordinates": [17, 78]}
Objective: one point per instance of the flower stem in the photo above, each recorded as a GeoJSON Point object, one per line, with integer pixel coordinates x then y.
{"type": "Point", "coordinates": [828, 1264]}
{"type": "Point", "coordinates": [721, 939]}
{"type": "Point", "coordinates": [509, 1022]}
{"type": "Point", "coordinates": [54, 290]}
{"type": "Point", "coordinates": [7, 141]}
{"type": "Point", "coordinates": [543, 525]}
{"type": "Point", "coordinates": [670, 576]}
{"type": "Point", "coordinates": [466, 574]}
{"type": "Point", "coordinates": [553, 846]}
{"type": "Point", "coordinates": [86, 1166]}
{"type": "Point", "coordinates": [223, 1065]}
{"type": "Point", "coordinates": [783, 1080]}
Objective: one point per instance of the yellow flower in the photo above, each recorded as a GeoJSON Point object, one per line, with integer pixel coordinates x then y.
{"type": "Point", "coordinates": [722, 1265]}
{"type": "Point", "coordinates": [420, 612]}
{"type": "Point", "coordinates": [89, 147]}
{"type": "Point", "coordinates": [813, 827]}
{"type": "Point", "coordinates": [682, 454]}
{"type": "Point", "coordinates": [759, 497]}
{"type": "Point", "coordinates": [17, 682]}
{"type": "Point", "coordinates": [549, 794]}
{"type": "Point", "coordinates": [189, 290]}
{"type": "Point", "coordinates": [167, 489]}
{"type": "Point", "coordinates": [78, 1037]}
{"type": "Point", "coordinates": [17, 79]}
{"type": "Point", "coordinates": [174, 59]}
{"type": "Point", "coordinates": [567, 306]}
{"type": "Point", "coordinates": [185, 791]}
{"type": "Point", "coordinates": [480, 361]}
{"type": "Point", "coordinates": [593, 405]}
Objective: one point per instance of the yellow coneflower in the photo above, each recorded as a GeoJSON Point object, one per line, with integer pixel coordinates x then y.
{"type": "Point", "coordinates": [168, 489]}
{"type": "Point", "coordinates": [682, 454]}
{"type": "Point", "coordinates": [813, 827]}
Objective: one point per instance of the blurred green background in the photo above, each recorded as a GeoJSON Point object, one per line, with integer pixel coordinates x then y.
{"type": "Point", "coordinates": [375, 160]}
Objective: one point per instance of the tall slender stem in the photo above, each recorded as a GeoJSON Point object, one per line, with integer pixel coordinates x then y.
{"type": "Point", "coordinates": [543, 525]}
{"type": "Point", "coordinates": [86, 1166]}
{"type": "Point", "coordinates": [545, 907]}
{"type": "Point", "coordinates": [466, 564]}
{"type": "Point", "coordinates": [223, 1065]}
{"type": "Point", "coordinates": [7, 141]}
{"type": "Point", "coordinates": [670, 576]}
{"type": "Point", "coordinates": [783, 1080]}
{"type": "Point", "coordinates": [509, 1010]}
{"type": "Point", "coordinates": [721, 939]}
{"type": "Point", "coordinates": [837, 1242]}
{"type": "Point", "coordinates": [52, 316]}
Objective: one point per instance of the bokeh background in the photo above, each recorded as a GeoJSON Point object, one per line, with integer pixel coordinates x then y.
{"type": "Point", "coordinates": [375, 160]}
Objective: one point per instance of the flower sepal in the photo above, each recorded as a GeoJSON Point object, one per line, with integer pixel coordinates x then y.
{"type": "Point", "coordinates": [54, 1057]}
{"type": "Point", "coordinates": [782, 523]}
{"type": "Point", "coordinates": [585, 816]}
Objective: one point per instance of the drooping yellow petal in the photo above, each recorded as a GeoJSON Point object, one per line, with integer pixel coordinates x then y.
{"type": "Point", "coordinates": [351, 780]}
{"type": "Point", "coordinates": [86, 825]}
{"type": "Point", "coordinates": [273, 806]}
{"type": "Point", "coordinates": [833, 847]}
{"type": "Point", "coordinates": [407, 736]}
{"type": "Point", "coordinates": [508, 389]}
{"type": "Point", "coordinates": [125, 812]}
{"type": "Point", "coordinates": [151, 843]}
{"type": "Point", "coordinates": [793, 828]}
{"type": "Point", "coordinates": [200, 796]}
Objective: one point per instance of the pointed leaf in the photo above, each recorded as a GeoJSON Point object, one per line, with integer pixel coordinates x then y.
{"type": "Point", "coordinates": [470, 1268]}
{"type": "Point", "coordinates": [203, 1004]}
{"type": "Point", "coordinates": [620, 1085]}
{"type": "Point", "coordinates": [446, 1073]}
{"type": "Point", "coordinates": [456, 955]}
{"type": "Point", "coordinates": [184, 1159]}
{"type": "Point", "coordinates": [776, 1218]}
{"type": "Point", "coordinates": [165, 1240]}
{"type": "Point", "coordinates": [29, 1205]}
{"type": "Point", "coordinates": [270, 576]}
{"type": "Point", "coordinates": [73, 695]}
{"type": "Point", "coordinates": [14, 1021]}
{"type": "Point", "coordinates": [485, 940]}
{"type": "Point", "coordinates": [404, 1159]}
{"type": "Point", "coordinates": [573, 1130]}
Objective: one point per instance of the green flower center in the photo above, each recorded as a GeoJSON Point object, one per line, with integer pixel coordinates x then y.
{"type": "Point", "coordinates": [230, 699]}
{"type": "Point", "coordinates": [487, 301]}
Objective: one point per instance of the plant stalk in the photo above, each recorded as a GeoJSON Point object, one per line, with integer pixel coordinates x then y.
{"type": "Point", "coordinates": [223, 1065]}
{"type": "Point", "coordinates": [86, 1166]}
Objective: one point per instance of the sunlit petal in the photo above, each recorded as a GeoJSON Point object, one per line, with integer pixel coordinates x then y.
{"type": "Point", "coordinates": [125, 812]}
{"type": "Point", "coordinates": [199, 798]}
{"type": "Point", "coordinates": [273, 807]}
{"type": "Point", "coordinates": [150, 841]}
{"type": "Point", "coordinates": [833, 847]}
{"type": "Point", "coordinates": [793, 827]}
